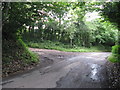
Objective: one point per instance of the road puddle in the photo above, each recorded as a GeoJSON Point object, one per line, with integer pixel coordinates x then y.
{"type": "Point", "coordinates": [94, 72]}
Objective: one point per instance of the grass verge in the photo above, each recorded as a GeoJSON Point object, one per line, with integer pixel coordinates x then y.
{"type": "Point", "coordinates": [68, 48]}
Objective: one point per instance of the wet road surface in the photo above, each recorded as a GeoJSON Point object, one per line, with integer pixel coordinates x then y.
{"type": "Point", "coordinates": [68, 70]}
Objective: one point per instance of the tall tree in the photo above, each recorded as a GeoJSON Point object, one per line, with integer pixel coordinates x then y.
{"type": "Point", "coordinates": [111, 12]}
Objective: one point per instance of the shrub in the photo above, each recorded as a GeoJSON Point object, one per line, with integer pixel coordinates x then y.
{"type": "Point", "coordinates": [116, 49]}
{"type": "Point", "coordinates": [115, 57]}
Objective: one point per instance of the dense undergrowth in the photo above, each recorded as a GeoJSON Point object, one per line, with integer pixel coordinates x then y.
{"type": "Point", "coordinates": [16, 57]}
{"type": "Point", "coordinates": [66, 47]}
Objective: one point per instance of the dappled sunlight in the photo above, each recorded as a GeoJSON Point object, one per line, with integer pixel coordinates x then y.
{"type": "Point", "coordinates": [92, 16]}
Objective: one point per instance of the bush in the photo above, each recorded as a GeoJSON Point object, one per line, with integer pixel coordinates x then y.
{"type": "Point", "coordinates": [116, 49]}
{"type": "Point", "coordinates": [115, 57]}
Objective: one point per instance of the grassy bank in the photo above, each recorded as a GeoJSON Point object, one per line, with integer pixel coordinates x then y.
{"type": "Point", "coordinates": [114, 58]}
{"type": "Point", "coordinates": [68, 48]}
{"type": "Point", "coordinates": [16, 57]}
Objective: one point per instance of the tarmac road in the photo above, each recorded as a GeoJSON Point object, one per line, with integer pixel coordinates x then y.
{"type": "Point", "coordinates": [65, 70]}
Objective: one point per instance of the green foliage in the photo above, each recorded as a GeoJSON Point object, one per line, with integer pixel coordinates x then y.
{"type": "Point", "coordinates": [116, 49]}
{"type": "Point", "coordinates": [66, 47]}
{"type": "Point", "coordinates": [16, 56]}
{"type": "Point", "coordinates": [74, 30]}
{"type": "Point", "coordinates": [102, 32]}
{"type": "Point", "coordinates": [15, 16]}
{"type": "Point", "coordinates": [53, 25]}
{"type": "Point", "coordinates": [115, 57]}
{"type": "Point", "coordinates": [111, 12]}
{"type": "Point", "coordinates": [17, 49]}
